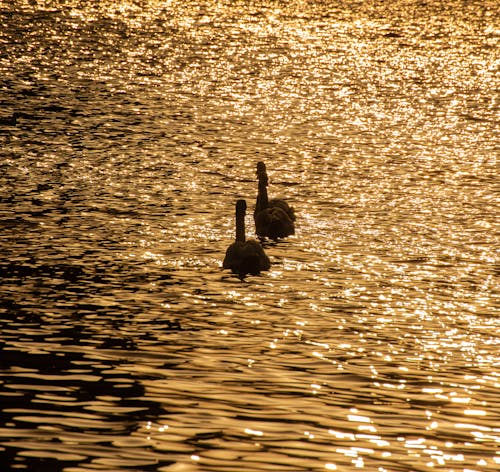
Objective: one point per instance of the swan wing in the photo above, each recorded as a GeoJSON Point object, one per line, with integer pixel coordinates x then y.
{"type": "Point", "coordinates": [279, 203]}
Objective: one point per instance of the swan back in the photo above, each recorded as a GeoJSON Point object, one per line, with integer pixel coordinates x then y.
{"type": "Point", "coordinates": [274, 223]}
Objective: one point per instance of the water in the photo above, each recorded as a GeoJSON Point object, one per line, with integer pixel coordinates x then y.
{"type": "Point", "coordinates": [373, 342]}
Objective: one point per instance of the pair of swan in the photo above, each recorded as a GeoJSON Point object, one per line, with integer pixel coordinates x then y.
{"type": "Point", "coordinates": [273, 219]}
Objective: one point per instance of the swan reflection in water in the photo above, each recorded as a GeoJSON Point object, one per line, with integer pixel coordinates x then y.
{"type": "Point", "coordinates": [244, 256]}
{"type": "Point", "coordinates": [273, 218]}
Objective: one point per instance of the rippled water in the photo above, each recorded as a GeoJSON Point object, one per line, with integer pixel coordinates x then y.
{"type": "Point", "coordinates": [373, 342]}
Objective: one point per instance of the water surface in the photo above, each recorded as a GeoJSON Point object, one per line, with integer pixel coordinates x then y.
{"type": "Point", "coordinates": [373, 341]}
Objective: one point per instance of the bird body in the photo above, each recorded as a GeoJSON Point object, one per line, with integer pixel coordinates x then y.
{"type": "Point", "coordinates": [244, 256]}
{"type": "Point", "coordinates": [274, 218]}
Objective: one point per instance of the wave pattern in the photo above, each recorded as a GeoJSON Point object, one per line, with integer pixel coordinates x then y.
{"type": "Point", "coordinates": [128, 130]}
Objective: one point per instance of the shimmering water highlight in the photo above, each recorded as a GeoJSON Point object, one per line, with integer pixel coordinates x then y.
{"type": "Point", "coordinates": [129, 129]}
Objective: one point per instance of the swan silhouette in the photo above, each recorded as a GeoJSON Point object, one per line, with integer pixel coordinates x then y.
{"type": "Point", "coordinates": [273, 218]}
{"type": "Point", "coordinates": [244, 256]}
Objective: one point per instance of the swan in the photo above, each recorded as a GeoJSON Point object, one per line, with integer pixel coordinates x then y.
{"type": "Point", "coordinates": [244, 256]}
{"type": "Point", "coordinates": [273, 218]}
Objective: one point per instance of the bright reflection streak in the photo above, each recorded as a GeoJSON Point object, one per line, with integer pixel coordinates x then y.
{"type": "Point", "coordinates": [253, 432]}
{"type": "Point", "coordinates": [358, 418]}
{"type": "Point", "coordinates": [341, 435]}
{"type": "Point", "coordinates": [475, 412]}
{"type": "Point", "coordinates": [432, 390]}
{"type": "Point", "coordinates": [460, 399]}
{"type": "Point", "coordinates": [358, 462]}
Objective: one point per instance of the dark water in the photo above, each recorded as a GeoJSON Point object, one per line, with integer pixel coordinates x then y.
{"type": "Point", "coordinates": [373, 342]}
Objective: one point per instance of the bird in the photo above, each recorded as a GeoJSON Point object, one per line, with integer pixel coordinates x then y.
{"type": "Point", "coordinates": [273, 218]}
{"type": "Point", "coordinates": [245, 256]}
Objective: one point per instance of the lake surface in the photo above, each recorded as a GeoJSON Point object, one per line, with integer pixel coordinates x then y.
{"type": "Point", "coordinates": [373, 341]}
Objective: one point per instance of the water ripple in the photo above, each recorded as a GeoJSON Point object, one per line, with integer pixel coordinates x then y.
{"type": "Point", "coordinates": [128, 130]}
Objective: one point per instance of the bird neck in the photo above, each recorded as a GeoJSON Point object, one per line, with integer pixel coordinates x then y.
{"type": "Point", "coordinates": [240, 226]}
{"type": "Point", "coordinates": [262, 197]}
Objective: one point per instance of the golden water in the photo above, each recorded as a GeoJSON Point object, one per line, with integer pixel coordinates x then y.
{"type": "Point", "coordinates": [373, 341]}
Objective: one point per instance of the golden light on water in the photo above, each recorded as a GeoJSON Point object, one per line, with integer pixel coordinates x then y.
{"type": "Point", "coordinates": [369, 344]}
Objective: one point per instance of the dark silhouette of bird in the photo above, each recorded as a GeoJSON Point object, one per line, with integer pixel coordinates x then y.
{"type": "Point", "coordinates": [244, 256]}
{"type": "Point", "coordinates": [273, 218]}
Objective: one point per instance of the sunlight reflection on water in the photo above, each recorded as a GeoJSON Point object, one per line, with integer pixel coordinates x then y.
{"type": "Point", "coordinates": [371, 343]}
